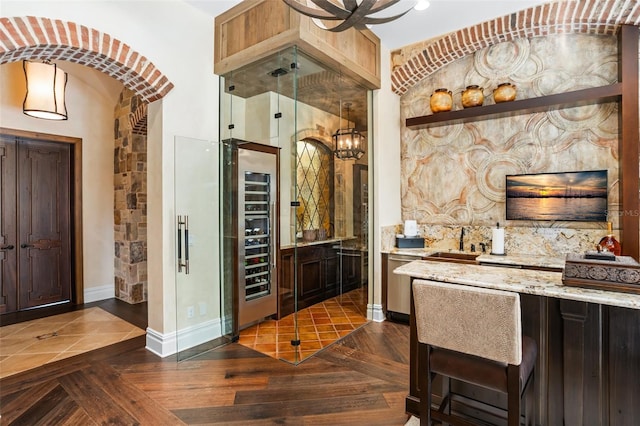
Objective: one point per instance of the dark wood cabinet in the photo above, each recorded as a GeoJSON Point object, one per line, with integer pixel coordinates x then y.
{"type": "Point", "coordinates": [323, 271]}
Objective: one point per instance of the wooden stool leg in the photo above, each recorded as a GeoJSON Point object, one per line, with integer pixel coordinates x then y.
{"type": "Point", "coordinates": [513, 395]}
{"type": "Point", "coordinates": [445, 406]}
{"type": "Point", "coordinates": [424, 384]}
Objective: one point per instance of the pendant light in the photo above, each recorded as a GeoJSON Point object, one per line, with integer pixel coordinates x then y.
{"type": "Point", "coordinates": [348, 143]}
{"type": "Point", "coordinates": [46, 85]}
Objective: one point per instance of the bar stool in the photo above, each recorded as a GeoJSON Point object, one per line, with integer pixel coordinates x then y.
{"type": "Point", "coordinates": [473, 335]}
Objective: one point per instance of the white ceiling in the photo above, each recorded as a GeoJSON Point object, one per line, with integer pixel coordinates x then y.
{"type": "Point", "coordinates": [443, 16]}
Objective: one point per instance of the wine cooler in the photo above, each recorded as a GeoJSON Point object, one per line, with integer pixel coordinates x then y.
{"type": "Point", "coordinates": [257, 235]}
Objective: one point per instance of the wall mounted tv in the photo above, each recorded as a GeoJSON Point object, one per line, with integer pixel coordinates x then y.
{"type": "Point", "coordinates": [571, 196]}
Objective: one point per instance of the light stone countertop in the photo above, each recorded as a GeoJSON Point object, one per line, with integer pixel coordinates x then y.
{"type": "Point", "coordinates": [523, 260]}
{"type": "Point", "coordinates": [508, 260]}
{"type": "Point", "coordinates": [527, 281]}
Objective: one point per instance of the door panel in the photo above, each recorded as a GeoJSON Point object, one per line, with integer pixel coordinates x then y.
{"type": "Point", "coordinates": [8, 230]}
{"type": "Point", "coordinates": [43, 230]}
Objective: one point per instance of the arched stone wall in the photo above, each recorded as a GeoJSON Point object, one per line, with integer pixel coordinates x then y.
{"type": "Point", "coordinates": [43, 38]}
{"type": "Point", "coordinates": [413, 63]}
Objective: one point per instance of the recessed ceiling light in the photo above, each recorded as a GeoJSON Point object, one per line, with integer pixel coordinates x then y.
{"type": "Point", "coordinates": [422, 5]}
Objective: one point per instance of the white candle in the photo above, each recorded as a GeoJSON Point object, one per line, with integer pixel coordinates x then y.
{"type": "Point", "coordinates": [497, 241]}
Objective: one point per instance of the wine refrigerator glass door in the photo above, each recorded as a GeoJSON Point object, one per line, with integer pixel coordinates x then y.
{"type": "Point", "coordinates": [257, 289]}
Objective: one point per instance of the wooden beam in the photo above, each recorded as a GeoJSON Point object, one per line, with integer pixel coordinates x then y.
{"type": "Point", "coordinates": [629, 140]}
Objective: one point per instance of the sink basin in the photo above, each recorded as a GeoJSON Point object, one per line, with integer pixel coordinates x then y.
{"type": "Point", "coordinates": [445, 256]}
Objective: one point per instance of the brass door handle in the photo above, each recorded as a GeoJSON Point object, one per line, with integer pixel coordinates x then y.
{"type": "Point", "coordinates": [7, 247]}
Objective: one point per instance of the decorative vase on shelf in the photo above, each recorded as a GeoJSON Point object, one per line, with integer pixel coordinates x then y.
{"type": "Point", "coordinates": [472, 96]}
{"type": "Point", "coordinates": [441, 100]}
{"type": "Point", "coordinates": [505, 92]}
{"type": "Point", "coordinates": [309, 235]}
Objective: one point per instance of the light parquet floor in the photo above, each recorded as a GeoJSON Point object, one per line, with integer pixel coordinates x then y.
{"type": "Point", "coordinates": [30, 344]}
{"type": "Point", "coordinates": [360, 380]}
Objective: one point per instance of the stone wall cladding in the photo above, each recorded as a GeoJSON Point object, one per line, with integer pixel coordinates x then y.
{"type": "Point", "coordinates": [130, 199]}
{"type": "Point", "coordinates": [454, 174]}
{"type": "Point", "coordinates": [42, 38]}
{"type": "Point", "coordinates": [417, 61]}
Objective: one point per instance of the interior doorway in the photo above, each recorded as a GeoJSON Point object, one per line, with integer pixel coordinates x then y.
{"type": "Point", "coordinates": [39, 212]}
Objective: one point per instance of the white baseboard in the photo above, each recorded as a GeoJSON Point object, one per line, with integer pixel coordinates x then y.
{"type": "Point", "coordinates": [95, 294]}
{"type": "Point", "coordinates": [375, 313]}
{"type": "Point", "coordinates": [164, 345]}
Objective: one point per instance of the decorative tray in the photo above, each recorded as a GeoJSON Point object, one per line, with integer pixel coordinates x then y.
{"type": "Point", "coordinates": [621, 274]}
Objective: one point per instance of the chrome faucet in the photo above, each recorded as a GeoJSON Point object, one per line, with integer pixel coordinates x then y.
{"type": "Point", "coordinates": [462, 239]}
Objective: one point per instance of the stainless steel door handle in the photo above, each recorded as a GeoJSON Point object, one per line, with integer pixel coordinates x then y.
{"type": "Point", "coordinates": [272, 234]}
{"type": "Point", "coordinates": [183, 225]}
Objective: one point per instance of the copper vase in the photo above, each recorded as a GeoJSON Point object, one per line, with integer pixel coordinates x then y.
{"type": "Point", "coordinates": [441, 100]}
{"type": "Point", "coordinates": [472, 96]}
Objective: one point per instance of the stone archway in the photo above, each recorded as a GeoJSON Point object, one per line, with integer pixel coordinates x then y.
{"type": "Point", "coordinates": [413, 63]}
{"type": "Point", "coordinates": [43, 38]}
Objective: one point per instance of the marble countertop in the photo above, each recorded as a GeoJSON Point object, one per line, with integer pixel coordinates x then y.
{"type": "Point", "coordinates": [508, 260]}
{"type": "Point", "coordinates": [319, 242]}
{"type": "Point", "coordinates": [527, 281]}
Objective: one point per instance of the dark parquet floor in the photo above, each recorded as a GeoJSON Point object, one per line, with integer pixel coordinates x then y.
{"type": "Point", "coordinates": [360, 380]}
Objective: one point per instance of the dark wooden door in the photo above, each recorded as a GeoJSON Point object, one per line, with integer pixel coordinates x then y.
{"type": "Point", "coordinates": [8, 227]}
{"type": "Point", "coordinates": [40, 218]}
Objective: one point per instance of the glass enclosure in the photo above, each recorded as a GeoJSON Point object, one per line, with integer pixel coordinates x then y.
{"type": "Point", "coordinates": [311, 234]}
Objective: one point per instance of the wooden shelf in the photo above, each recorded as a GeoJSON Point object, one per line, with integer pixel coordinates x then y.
{"type": "Point", "coordinates": [581, 97]}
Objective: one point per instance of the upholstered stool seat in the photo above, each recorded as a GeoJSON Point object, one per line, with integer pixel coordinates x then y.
{"type": "Point", "coordinates": [473, 335]}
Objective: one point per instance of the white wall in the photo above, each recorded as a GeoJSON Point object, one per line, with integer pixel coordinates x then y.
{"type": "Point", "coordinates": [386, 174]}
{"type": "Point", "coordinates": [91, 98]}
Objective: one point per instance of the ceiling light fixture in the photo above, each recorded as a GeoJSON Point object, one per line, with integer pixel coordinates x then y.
{"type": "Point", "coordinates": [46, 84]}
{"type": "Point", "coordinates": [422, 5]}
{"type": "Point", "coordinates": [348, 143]}
{"type": "Point", "coordinates": [352, 13]}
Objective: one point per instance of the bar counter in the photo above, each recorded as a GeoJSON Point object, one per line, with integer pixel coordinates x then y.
{"type": "Point", "coordinates": [588, 366]}
{"type": "Point", "coordinates": [526, 281]}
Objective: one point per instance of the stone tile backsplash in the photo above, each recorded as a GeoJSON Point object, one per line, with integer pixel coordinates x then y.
{"type": "Point", "coordinates": [518, 240]}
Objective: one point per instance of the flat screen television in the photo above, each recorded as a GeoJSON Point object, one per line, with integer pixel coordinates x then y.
{"type": "Point", "coordinates": [570, 196]}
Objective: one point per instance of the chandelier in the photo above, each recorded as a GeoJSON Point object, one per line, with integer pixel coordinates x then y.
{"type": "Point", "coordinates": [45, 90]}
{"type": "Point", "coordinates": [348, 143]}
{"type": "Point", "coordinates": [352, 13]}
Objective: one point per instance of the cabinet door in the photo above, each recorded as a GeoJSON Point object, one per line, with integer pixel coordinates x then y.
{"type": "Point", "coordinates": [310, 276]}
{"type": "Point", "coordinates": [332, 272]}
{"type": "Point", "coordinates": [286, 283]}
{"type": "Point", "coordinates": [351, 270]}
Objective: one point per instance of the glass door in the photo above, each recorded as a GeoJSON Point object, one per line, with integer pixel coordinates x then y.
{"type": "Point", "coordinates": [197, 274]}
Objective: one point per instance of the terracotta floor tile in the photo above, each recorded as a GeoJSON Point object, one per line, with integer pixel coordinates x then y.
{"type": "Point", "coordinates": [343, 327]}
{"type": "Point", "coordinates": [328, 335]}
{"type": "Point", "coordinates": [265, 347]}
{"type": "Point", "coordinates": [307, 329]}
{"type": "Point", "coordinates": [318, 327]}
